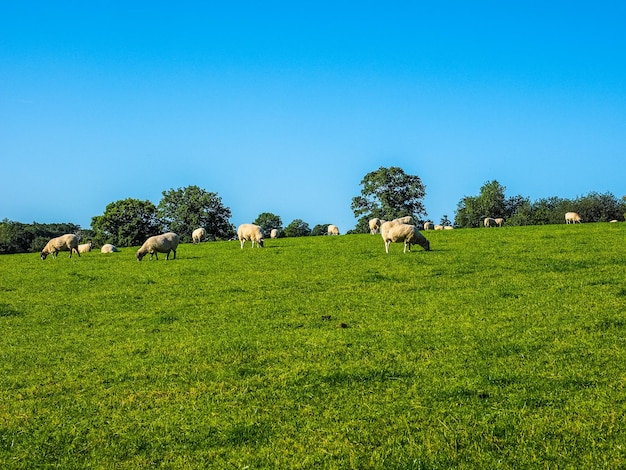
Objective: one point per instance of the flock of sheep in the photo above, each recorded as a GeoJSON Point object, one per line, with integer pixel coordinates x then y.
{"type": "Point", "coordinates": [399, 230]}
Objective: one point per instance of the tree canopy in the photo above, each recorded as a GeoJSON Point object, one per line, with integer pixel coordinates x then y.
{"type": "Point", "coordinates": [268, 221]}
{"type": "Point", "coordinates": [388, 193]}
{"type": "Point", "coordinates": [128, 222]}
{"type": "Point", "coordinates": [519, 210]}
{"type": "Point", "coordinates": [297, 228]}
{"type": "Point", "coordinates": [183, 210]}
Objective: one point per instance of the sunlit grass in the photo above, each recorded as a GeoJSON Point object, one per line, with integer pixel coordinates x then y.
{"type": "Point", "coordinates": [501, 348]}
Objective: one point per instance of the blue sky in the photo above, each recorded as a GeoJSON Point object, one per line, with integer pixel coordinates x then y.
{"type": "Point", "coordinates": [284, 108]}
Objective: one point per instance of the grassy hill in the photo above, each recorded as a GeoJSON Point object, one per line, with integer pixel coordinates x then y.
{"type": "Point", "coordinates": [501, 348]}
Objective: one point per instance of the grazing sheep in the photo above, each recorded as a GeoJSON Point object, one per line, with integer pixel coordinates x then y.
{"type": "Point", "coordinates": [250, 232]}
{"type": "Point", "coordinates": [407, 219]}
{"type": "Point", "coordinates": [333, 230]}
{"type": "Point", "coordinates": [489, 222]}
{"type": "Point", "coordinates": [408, 234]}
{"type": "Point", "coordinates": [374, 225]}
{"type": "Point", "coordinates": [428, 225]}
{"type": "Point", "coordinates": [68, 242]}
{"type": "Point", "coordinates": [499, 221]}
{"type": "Point", "coordinates": [572, 217]}
{"type": "Point", "coordinates": [438, 227]}
{"type": "Point", "coordinates": [108, 248]}
{"type": "Point", "coordinates": [197, 235]}
{"type": "Point", "coordinates": [85, 247]}
{"type": "Point", "coordinates": [163, 243]}
{"type": "Point", "coordinates": [274, 233]}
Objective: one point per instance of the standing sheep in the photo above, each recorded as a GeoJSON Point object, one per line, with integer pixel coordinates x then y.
{"type": "Point", "coordinates": [333, 230]}
{"type": "Point", "coordinates": [108, 248]}
{"type": "Point", "coordinates": [572, 217]}
{"type": "Point", "coordinates": [85, 247]}
{"type": "Point", "coordinates": [489, 222]}
{"type": "Point", "coordinates": [68, 242]}
{"type": "Point", "coordinates": [428, 225]}
{"type": "Point", "coordinates": [499, 221]}
{"type": "Point", "coordinates": [250, 232]}
{"type": "Point", "coordinates": [197, 235]}
{"type": "Point", "coordinates": [163, 243]}
{"type": "Point", "coordinates": [408, 234]}
{"type": "Point", "coordinates": [374, 225]}
{"type": "Point", "coordinates": [274, 233]}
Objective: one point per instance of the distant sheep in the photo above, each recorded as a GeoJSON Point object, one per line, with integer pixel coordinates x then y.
{"type": "Point", "coordinates": [68, 242]}
{"type": "Point", "coordinates": [250, 232]}
{"type": "Point", "coordinates": [499, 221]}
{"type": "Point", "coordinates": [85, 247]}
{"type": "Point", "coordinates": [108, 248]}
{"type": "Point", "coordinates": [374, 225]}
{"type": "Point", "coordinates": [163, 243]}
{"type": "Point", "coordinates": [448, 227]}
{"type": "Point", "coordinates": [197, 235]}
{"type": "Point", "coordinates": [489, 222]}
{"type": "Point", "coordinates": [274, 233]}
{"type": "Point", "coordinates": [572, 217]}
{"type": "Point", "coordinates": [438, 227]}
{"type": "Point", "coordinates": [407, 234]}
{"type": "Point", "coordinates": [613, 221]}
{"type": "Point", "coordinates": [333, 230]}
{"type": "Point", "coordinates": [428, 226]}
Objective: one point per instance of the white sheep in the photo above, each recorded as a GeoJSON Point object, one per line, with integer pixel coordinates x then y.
{"type": "Point", "coordinates": [489, 222]}
{"type": "Point", "coordinates": [333, 230]}
{"type": "Point", "coordinates": [250, 232]}
{"type": "Point", "coordinates": [428, 225]}
{"type": "Point", "coordinates": [108, 248]}
{"type": "Point", "coordinates": [438, 227]}
{"type": "Point", "coordinates": [85, 247]}
{"type": "Point", "coordinates": [407, 219]}
{"type": "Point", "coordinates": [407, 234]}
{"type": "Point", "coordinates": [572, 217]}
{"type": "Point", "coordinates": [374, 225]}
{"type": "Point", "coordinates": [274, 233]}
{"type": "Point", "coordinates": [163, 243]}
{"type": "Point", "coordinates": [68, 242]}
{"type": "Point", "coordinates": [448, 227]}
{"type": "Point", "coordinates": [499, 221]}
{"type": "Point", "coordinates": [197, 235]}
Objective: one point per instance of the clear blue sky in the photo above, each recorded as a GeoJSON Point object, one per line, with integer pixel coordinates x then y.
{"type": "Point", "coordinates": [283, 108]}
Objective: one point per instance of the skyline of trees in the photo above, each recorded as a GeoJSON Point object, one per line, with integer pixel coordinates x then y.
{"type": "Point", "coordinates": [387, 193]}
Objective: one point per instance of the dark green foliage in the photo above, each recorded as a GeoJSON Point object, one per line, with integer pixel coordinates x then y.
{"type": "Point", "coordinates": [518, 210]}
{"type": "Point", "coordinates": [320, 229]}
{"type": "Point", "coordinates": [16, 237]}
{"type": "Point", "coordinates": [185, 209]}
{"type": "Point", "coordinates": [297, 228]}
{"type": "Point", "coordinates": [268, 221]}
{"type": "Point", "coordinates": [388, 193]}
{"type": "Point", "coordinates": [128, 222]}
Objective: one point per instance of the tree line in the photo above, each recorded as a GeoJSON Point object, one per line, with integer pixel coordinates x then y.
{"type": "Point", "coordinates": [519, 210]}
{"type": "Point", "coordinates": [386, 193]}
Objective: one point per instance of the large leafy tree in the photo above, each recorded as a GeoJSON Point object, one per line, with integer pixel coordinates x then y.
{"type": "Point", "coordinates": [491, 202]}
{"type": "Point", "coordinates": [388, 193]}
{"type": "Point", "coordinates": [268, 221]}
{"type": "Point", "coordinates": [297, 228]}
{"type": "Point", "coordinates": [126, 223]}
{"type": "Point", "coordinates": [185, 209]}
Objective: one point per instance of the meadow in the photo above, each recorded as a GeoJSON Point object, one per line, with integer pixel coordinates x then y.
{"type": "Point", "coordinates": [500, 348]}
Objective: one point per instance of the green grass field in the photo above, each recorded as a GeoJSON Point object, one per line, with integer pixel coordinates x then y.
{"type": "Point", "coordinates": [501, 348]}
